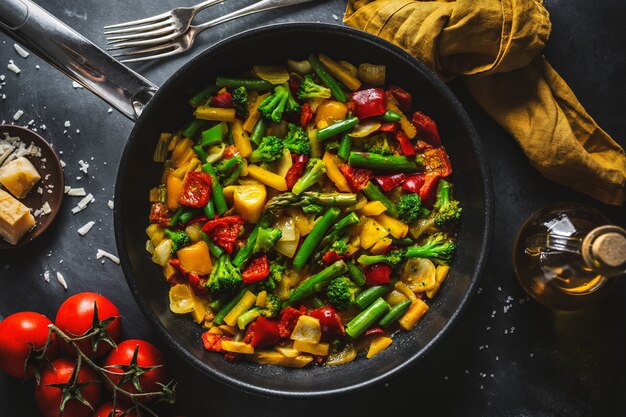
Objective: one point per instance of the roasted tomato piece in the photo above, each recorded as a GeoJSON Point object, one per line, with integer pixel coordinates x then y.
{"type": "Point", "coordinates": [224, 231]}
{"type": "Point", "coordinates": [436, 160]}
{"type": "Point", "coordinates": [230, 151]}
{"type": "Point", "coordinates": [388, 127]}
{"type": "Point", "coordinates": [287, 322]}
{"type": "Point", "coordinates": [196, 189]}
{"type": "Point", "coordinates": [357, 177]}
{"type": "Point", "coordinates": [305, 114]}
{"type": "Point", "coordinates": [213, 342]}
{"type": "Point", "coordinates": [296, 170]}
{"type": "Point", "coordinates": [257, 270]}
{"type": "Point", "coordinates": [330, 321]}
{"type": "Point", "coordinates": [369, 102]}
{"type": "Point", "coordinates": [159, 214]}
{"type": "Point", "coordinates": [426, 128]}
{"type": "Point", "coordinates": [331, 257]}
{"type": "Point", "coordinates": [377, 274]}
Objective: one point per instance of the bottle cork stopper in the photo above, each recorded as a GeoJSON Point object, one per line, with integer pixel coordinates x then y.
{"type": "Point", "coordinates": [610, 248]}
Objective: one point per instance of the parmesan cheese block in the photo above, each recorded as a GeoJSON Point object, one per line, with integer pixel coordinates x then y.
{"type": "Point", "coordinates": [15, 218]}
{"type": "Point", "coordinates": [19, 176]}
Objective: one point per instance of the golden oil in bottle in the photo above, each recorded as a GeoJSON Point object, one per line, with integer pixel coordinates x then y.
{"type": "Point", "coordinates": [566, 256]}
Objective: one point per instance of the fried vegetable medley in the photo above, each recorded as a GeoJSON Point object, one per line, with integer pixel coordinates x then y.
{"type": "Point", "coordinates": [305, 213]}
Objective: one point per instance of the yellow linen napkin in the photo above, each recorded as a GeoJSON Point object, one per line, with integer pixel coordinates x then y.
{"type": "Point", "coordinates": [495, 46]}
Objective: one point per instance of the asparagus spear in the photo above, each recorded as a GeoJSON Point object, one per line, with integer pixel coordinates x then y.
{"type": "Point", "coordinates": [310, 197]}
{"type": "Point", "coordinates": [388, 163]}
{"type": "Point", "coordinates": [374, 193]}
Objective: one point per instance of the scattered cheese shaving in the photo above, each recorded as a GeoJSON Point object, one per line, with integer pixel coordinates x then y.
{"type": "Point", "coordinates": [86, 200]}
{"type": "Point", "coordinates": [112, 257]}
{"type": "Point", "coordinates": [86, 228]}
{"type": "Point", "coordinates": [13, 67]}
{"type": "Point", "coordinates": [76, 192]}
{"type": "Point", "coordinates": [17, 115]}
{"type": "Point", "coordinates": [61, 280]}
{"type": "Point", "coordinates": [76, 85]}
{"type": "Point", "coordinates": [84, 166]}
{"type": "Point", "coordinates": [21, 51]}
{"type": "Point", "coordinates": [46, 208]}
{"type": "Point", "coordinates": [111, 204]}
{"type": "Point", "coordinates": [46, 276]}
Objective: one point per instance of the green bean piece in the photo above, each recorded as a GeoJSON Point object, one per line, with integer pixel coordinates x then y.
{"type": "Point", "coordinates": [201, 96]}
{"type": "Point", "coordinates": [373, 193]}
{"type": "Point", "coordinates": [192, 128]}
{"type": "Point", "coordinates": [216, 304]}
{"type": "Point", "coordinates": [258, 132]}
{"type": "Point", "coordinates": [316, 282]}
{"type": "Point", "coordinates": [357, 276]}
{"type": "Point", "coordinates": [215, 250]}
{"type": "Point", "coordinates": [209, 210]}
{"type": "Point", "coordinates": [219, 317]}
{"type": "Point", "coordinates": [314, 237]}
{"type": "Point", "coordinates": [217, 192]}
{"type": "Point", "coordinates": [176, 217]}
{"type": "Point", "coordinates": [249, 84]}
{"type": "Point", "coordinates": [344, 147]}
{"type": "Point", "coordinates": [188, 215]}
{"type": "Point", "coordinates": [337, 127]}
{"type": "Point", "coordinates": [367, 317]}
{"type": "Point", "coordinates": [390, 116]}
{"type": "Point", "coordinates": [246, 250]}
{"type": "Point", "coordinates": [213, 135]}
{"type": "Point", "coordinates": [395, 313]}
{"type": "Point", "coordinates": [405, 241]}
{"type": "Point", "coordinates": [200, 152]}
{"type": "Point", "coordinates": [367, 297]}
{"type": "Point", "coordinates": [385, 163]}
{"type": "Point", "coordinates": [335, 87]}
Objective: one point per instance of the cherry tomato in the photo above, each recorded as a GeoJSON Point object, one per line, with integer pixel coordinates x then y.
{"type": "Point", "coordinates": [106, 410]}
{"type": "Point", "coordinates": [330, 321]}
{"type": "Point", "coordinates": [19, 334]}
{"type": "Point", "coordinates": [256, 270]}
{"type": "Point", "coordinates": [122, 359]}
{"type": "Point", "coordinates": [196, 189]}
{"type": "Point", "coordinates": [49, 397]}
{"type": "Point", "coordinates": [75, 317]}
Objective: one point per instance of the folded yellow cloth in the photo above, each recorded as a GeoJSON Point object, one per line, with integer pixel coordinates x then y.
{"type": "Point", "coordinates": [495, 46]}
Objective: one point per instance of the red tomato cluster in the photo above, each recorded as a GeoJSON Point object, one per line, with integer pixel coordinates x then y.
{"type": "Point", "coordinates": [62, 372]}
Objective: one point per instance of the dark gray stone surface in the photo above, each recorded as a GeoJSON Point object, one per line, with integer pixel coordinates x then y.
{"type": "Point", "coordinates": [527, 361]}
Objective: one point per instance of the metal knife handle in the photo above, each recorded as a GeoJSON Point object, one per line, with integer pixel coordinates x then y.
{"type": "Point", "coordinates": [58, 44]}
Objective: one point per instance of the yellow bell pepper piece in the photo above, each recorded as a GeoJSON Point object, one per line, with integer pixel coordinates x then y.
{"type": "Point", "coordinates": [241, 139]}
{"type": "Point", "coordinates": [237, 347]}
{"type": "Point", "coordinates": [332, 171]}
{"type": "Point", "coordinates": [261, 299]}
{"type": "Point", "coordinates": [269, 357]}
{"type": "Point", "coordinates": [440, 275]}
{"type": "Point", "coordinates": [180, 150]}
{"type": "Point", "coordinates": [329, 112]}
{"type": "Point", "coordinates": [316, 145]}
{"type": "Point", "coordinates": [187, 166]}
{"type": "Point", "coordinates": [405, 124]}
{"type": "Point", "coordinates": [199, 310]}
{"type": "Point", "coordinates": [174, 190]}
{"type": "Point", "coordinates": [196, 258]}
{"type": "Point", "coordinates": [241, 307]}
{"type": "Point", "coordinates": [254, 114]}
{"type": "Point", "coordinates": [373, 208]}
{"type": "Point", "coordinates": [268, 178]}
{"type": "Point", "coordinates": [404, 289]}
{"type": "Point", "coordinates": [396, 227]}
{"type": "Point", "coordinates": [215, 113]}
{"type": "Point", "coordinates": [320, 349]}
{"type": "Point", "coordinates": [307, 329]}
{"type": "Point", "coordinates": [181, 301]}
{"type": "Point", "coordinates": [380, 246]}
{"type": "Point", "coordinates": [378, 345]}
{"type": "Point", "coordinates": [169, 271]}
{"type": "Point", "coordinates": [414, 313]}
{"type": "Point", "coordinates": [249, 201]}
{"type": "Point", "coordinates": [155, 233]}
{"type": "Point", "coordinates": [340, 73]}
{"type": "Point", "coordinates": [372, 232]}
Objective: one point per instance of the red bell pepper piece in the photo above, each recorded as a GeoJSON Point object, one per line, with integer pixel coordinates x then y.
{"type": "Point", "coordinates": [413, 183]}
{"type": "Point", "coordinates": [213, 342]}
{"type": "Point", "coordinates": [197, 283]}
{"type": "Point", "coordinates": [428, 191]}
{"type": "Point", "coordinates": [389, 182]}
{"type": "Point", "coordinates": [257, 270]}
{"type": "Point", "coordinates": [357, 177]}
{"type": "Point", "coordinates": [374, 331]}
{"type": "Point", "coordinates": [230, 151]}
{"type": "Point", "coordinates": [369, 102]}
{"type": "Point", "coordinates": [305, 114]}
{"type": "Point", "coordinates": [296, 170]}
{"type": "Point", "coordinates": [287, 322]}
{"type": "Point", "coordinates": [426, 128]}
{"type": "Point", "coordinates": [196, 189]}
{"type": "Point", "coordinates": [224, 231]}
{"type": "Point", "coordinates": [159, 214]}
{"type": "Point", "coordinates": [224, 100]}
{"type": "Point", "coordinates": [377, 274]}
{"type": "Point", "coordinates": [402, 96]}
{"type": "Point", "coordinates": [330, 322]}
{"type": "Point", "coordinates": [263, 332]}
{"type": "Point", "coordinates": [436, 160]}
{"type": "Point", "coordinates": [331, 257]}
{"type": "Point", "coordinates": [294, 85]}
{"type": "Point", "coordinates": [405, 143]}
{"type": "Point", "coordinates": [388, 127]}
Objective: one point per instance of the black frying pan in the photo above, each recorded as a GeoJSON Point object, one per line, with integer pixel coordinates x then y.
{"type": "Point", "coordinates": [167, 109]}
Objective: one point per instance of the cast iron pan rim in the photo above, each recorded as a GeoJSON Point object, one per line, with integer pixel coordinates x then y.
{"type": "Point", "coordinates": [348, 32]}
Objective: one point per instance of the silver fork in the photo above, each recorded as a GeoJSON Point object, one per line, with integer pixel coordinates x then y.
{"type": "Point", "coordinates": [172, 33]}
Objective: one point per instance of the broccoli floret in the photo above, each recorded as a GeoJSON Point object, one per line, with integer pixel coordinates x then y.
{"type": "Point", "coordinates": [228, 170]}
{"type": "Point", "coordinates": [179, 239]}
{"type": "Point", "coordinates": [393, 258]}
{"type": "Point", "coordinates": [292, 106]}
{"type": "Point", "coordinates": [379, 144]}
{"type": "Point", "coordinates": [410, 207]}
{"type": "Point", "coordinates": [340, 247]}
{"type": "Point", "coordinates": [270, 149]}
{"type": "Point", "coordinates": [273, 106]}
{"type": "Point", "coordinates": [341, 292]}
{"type": "Point", "coordinates": [313, 209]}
{"type": "Point", "coordinates": [315, 169]}
{"type": "Point", "coordinates": [448, 210]}
{"type": "Point", "coordinates": [271, 309]}
{"type": "Point", "coordinates": [310, 89]}
{"type": "Point", "coordinates": [277, 270]}
{"type": "Point", "coordinates": [437, 246]}
{"type": "Point", "coordinates": [225, 277]}
{"type": "Point", "coordinates": [240, 101]}
{"type": "Point", "coordinates": [266, 239]}
{"type": "Point", "coordinates": [297, 140]}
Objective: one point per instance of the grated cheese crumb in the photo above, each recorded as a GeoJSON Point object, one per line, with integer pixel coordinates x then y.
{"type": "Point", "coordinates": [105, 254]}
{"type": "Point", "coordinates": [67, 123]}
{"type": "Point", "coordinates": [46, 276]}
{"type": "Point", "coordinates": [111, 204]}
{"type": "Point", "coordinates": [46, 208]}
{"type": "Point", "coordinates": [86, 228]}
{"type": "Point", "coordinates": [61, 280]}
{"type": "Point", "coordinates": [76, 85]}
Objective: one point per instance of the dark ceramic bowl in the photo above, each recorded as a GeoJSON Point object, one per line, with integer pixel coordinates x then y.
{"type": "Point", "coordinates": [168, 110]}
